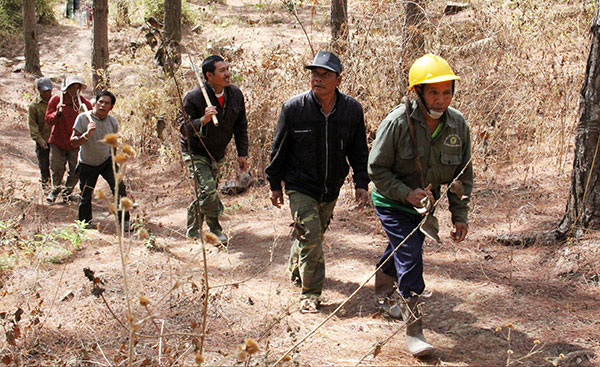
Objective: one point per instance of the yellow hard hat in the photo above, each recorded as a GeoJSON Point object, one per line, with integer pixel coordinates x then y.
{"type": "Point", "coordinates": [430, 69]}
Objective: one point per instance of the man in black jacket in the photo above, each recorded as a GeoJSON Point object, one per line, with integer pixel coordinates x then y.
{"type": "Point", "coordinates": [317, 134]}
{"type": "Point", "coordinates": [203, 143]}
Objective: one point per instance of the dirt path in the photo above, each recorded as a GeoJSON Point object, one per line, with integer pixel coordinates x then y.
{"type": "Point", "coordinates": [477, 286]}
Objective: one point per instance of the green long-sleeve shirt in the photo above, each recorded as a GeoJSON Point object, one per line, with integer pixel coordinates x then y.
{"type": "Point", "coordinates": [443, 155]}
{"type": "Point", "coordinates": [39, 130]}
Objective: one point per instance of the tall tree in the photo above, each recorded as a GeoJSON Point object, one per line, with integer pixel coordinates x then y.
{"type": "Point", "coordinates": [173, 20]}
{"type": "Point", "coordinates": [32, 52]}
{"type": "Point", "coordinates": [100, 45]}
{"type": "Point", "coordinates": [339, 20]}
{"type": "Point", "coordinates": [583, 206]}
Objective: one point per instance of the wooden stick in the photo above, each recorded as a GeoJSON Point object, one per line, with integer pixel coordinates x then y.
{"type": "Point", "coordinates": [413, 140]}
{"type": "Point", "coordinates": [85, 109]}
{"type": "Point", "coordinates": [62, 92]}
{"type": "Point", "coordinates": [203, 88]}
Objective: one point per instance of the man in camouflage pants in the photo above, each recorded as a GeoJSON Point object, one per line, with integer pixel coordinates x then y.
{"type": "Point", "coordinates": [203, 143]}
{"type": "Point", "coordinates": [318, 133]}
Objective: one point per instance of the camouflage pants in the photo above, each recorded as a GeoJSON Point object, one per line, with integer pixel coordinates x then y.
{"type": "Point", "coordinates": [207, 201]}
{"type": "Point", "coordinates": [307, 262]}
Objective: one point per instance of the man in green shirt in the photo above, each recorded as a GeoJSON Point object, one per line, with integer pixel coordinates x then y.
{"type": "Point", "coordinates": [402, 184]}
{"type": "Point", "coordinates": [39, 130]}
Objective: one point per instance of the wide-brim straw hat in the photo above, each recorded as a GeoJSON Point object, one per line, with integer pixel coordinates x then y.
{"type": "Point", "coordinates": [73, 79]}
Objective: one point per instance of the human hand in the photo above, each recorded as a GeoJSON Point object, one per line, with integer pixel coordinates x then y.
{"type": "Point", "coordinates": [91, 127]}
{"type": "Point", "coordinates": [277, 198]}
{"type": "Point", "coordinates": [243, 163]}
{"type": "Point", "coordinates": [209, 112]}
{"type": "Point", "coordinates": [361, 196]}
{"type": "Point", "coordinates": [415, 197]}
{"type": "Point", "coordinates": [43, 144]}
{"type": "Point", "coordinates": [460, 232]}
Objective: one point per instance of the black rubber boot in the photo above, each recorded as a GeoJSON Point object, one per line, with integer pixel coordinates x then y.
{"type": "Point", "coordinates": [216, 229]}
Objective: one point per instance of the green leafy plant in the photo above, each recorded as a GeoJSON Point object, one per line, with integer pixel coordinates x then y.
{"type": "Point", "coordinates": [53, 247]}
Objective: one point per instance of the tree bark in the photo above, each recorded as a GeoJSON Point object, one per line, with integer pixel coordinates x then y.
{"type": "Point", "coordinates": [339, 21]}
{"type": "Point", "coordinates": [32, 53]}
{"type": "Point", "coordinates": [415, 15]}
{"type": "Point", "coordinates": [173, 20]}
{"type": "Point", "coordinates": [583, 206]}
{"type": "Point", "coordinates": [100, 45]}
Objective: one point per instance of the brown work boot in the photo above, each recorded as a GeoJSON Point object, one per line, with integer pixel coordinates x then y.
{"type": "Point", "coordinates": [386, 298]}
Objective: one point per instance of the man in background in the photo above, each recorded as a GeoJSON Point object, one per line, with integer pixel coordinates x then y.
{"type": "Point", "coordinates": [203, 143]}
{"type": "Point", "coordinates": [39, 130]}
{"type": "Point", "coordinates": [95, 156]}
{"type": "Point", "coordinates": [62, 111]}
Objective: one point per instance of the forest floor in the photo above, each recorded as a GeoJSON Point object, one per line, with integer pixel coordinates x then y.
{"type": "Point", "coordinates": [490, 304]}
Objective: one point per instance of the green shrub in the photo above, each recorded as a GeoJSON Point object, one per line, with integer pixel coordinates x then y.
{"type": "Point", "coordinates": [156, 9]}
{"type": "Point", "coordinates": [11, 15]}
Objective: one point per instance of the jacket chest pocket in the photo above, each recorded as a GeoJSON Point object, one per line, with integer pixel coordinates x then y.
{"type": "Point", "coordinates": [405, 159]}
{"type": "Point", "coordinates": [450, 159]}
{"type": "Point", "coordinates": [303, 142]}
{"type": "Point", "coordinates": [451, 156]}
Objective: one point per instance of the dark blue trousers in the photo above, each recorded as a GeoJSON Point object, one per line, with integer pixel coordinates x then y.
{"type": "Point", "coordinates": [406, 265]}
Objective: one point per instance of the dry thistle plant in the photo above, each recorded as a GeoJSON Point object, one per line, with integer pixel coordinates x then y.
{"type": "Point", "coordinates": [511, 359]}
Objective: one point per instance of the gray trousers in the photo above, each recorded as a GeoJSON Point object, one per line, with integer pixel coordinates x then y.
{"type": "Point", "coordinates": [58, 160]}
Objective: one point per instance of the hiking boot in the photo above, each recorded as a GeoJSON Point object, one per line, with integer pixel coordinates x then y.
{"type": "Point", "coordinates": [415, 340]}
{"type": "Point", "coordinates": [310, 305]}
{"type": "Point", "coordinates": [51, 197]}
{"type": "Point", "coordinates": [216, 229]}
{"type": "Point", "coordinates": [126, 227]}
{"type": "Point", "coordinates": [46, 186]}
{"type": "Point", "coordinates": [70, 198]}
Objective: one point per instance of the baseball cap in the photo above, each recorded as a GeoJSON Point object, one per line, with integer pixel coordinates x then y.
{"type": "Point", "coordinates": [326, 60]}
{"type": "Point", "coordinates": [44, 84]}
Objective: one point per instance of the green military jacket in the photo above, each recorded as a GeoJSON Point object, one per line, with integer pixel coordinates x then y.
{"type": "Point", "coordinates": [443, 155]}
{"type": "Point", "coordinates": [39, 130]}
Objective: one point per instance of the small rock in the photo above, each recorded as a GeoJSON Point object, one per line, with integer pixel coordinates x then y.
{"type": "Point", "coordinates": [20, 67]}
{"type": "Point", "coordinates": [455, 8]}
{"type": "Point", "coordinates": [6, 62]}
{"type": "Point", "coordinates": [67, 296]}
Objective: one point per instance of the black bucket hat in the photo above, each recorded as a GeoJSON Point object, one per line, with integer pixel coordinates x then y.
{"type": "Point", "coordinates": [326, 60]}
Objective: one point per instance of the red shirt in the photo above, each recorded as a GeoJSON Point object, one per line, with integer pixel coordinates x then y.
{"type": "Point", "coordinates": [62, 127]}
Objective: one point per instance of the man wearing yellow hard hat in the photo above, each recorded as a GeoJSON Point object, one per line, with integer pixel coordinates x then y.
{"type": "Point", "coordinates": [421, 145]}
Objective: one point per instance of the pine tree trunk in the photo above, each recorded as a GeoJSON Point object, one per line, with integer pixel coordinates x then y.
{"type": "Point", "coordinates": [100, 45]}
{"type": "Point", "coordinates": [173, 20]}
{"type": "Point", "coordinates": [32, 53]}
{"type": "Point", "coordinates": [339, 21]}
{"type": "Point", "coordinates": [583, 206]}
